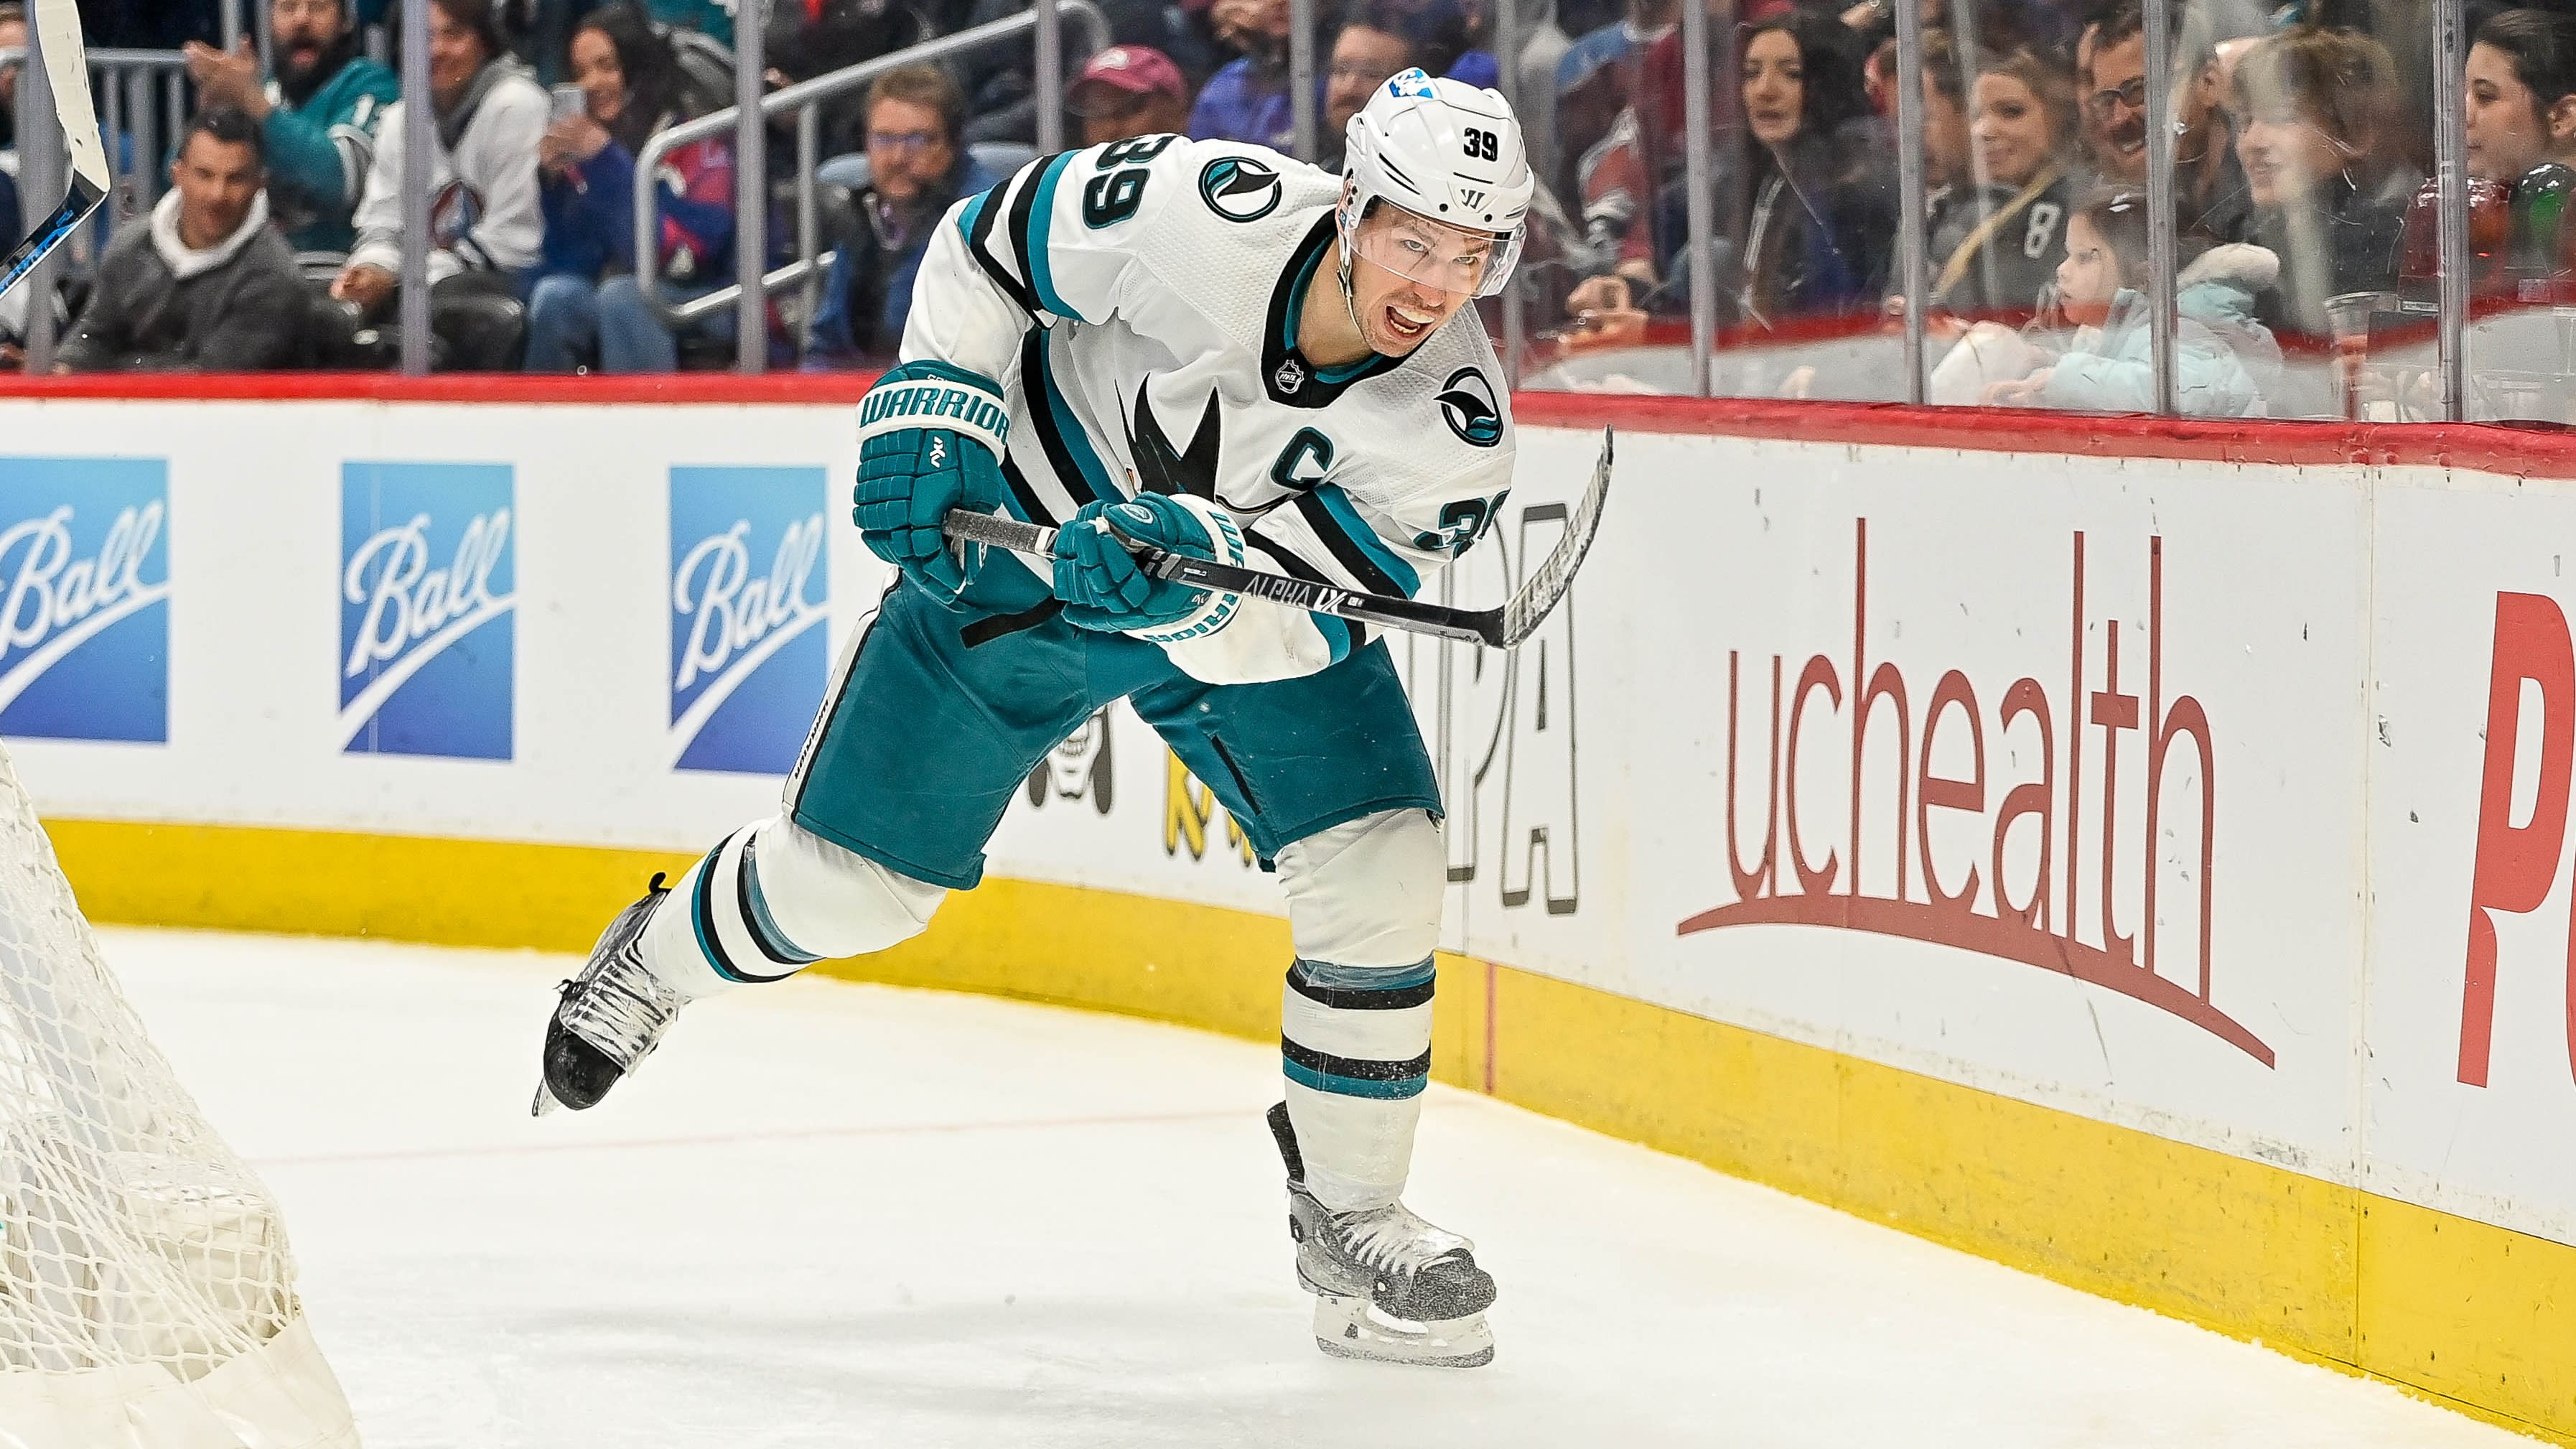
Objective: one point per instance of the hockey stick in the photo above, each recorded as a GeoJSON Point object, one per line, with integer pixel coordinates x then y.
{"type": "Point", "coordinates": [58, 37]}
{"type": "Point", "coordinates": [1503, 627]}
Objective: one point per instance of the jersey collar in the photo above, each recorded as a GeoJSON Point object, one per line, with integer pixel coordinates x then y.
{"type": "Point", "coordinates": [1285, 372]}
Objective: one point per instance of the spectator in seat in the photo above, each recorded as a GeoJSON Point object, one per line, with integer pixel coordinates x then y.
{"type": "Point", "coordinates": [917, 170]}
{"type": "Point", "coordinates": [2521, 94]}
{"type": "Point", "coordinates": [1599, 77]}
{"type": "Point", "coordinates": [1803, 229]}
{"type": "Point", "coordinates": [1997, 239]}
{"type": "Point", "coordinates": [588, 301]}
{"type": "Point", "coordinates": [2329, 197]}
{"type": "Point", "coordinates": [808, 38]}
{"type": "Point", "coordinates": [485, 221]}
{"type": "Point", "coordinates": [1380, 38]}
{"type": "Point", "coordinates": [317, 116]}
{"type": "Point", "coordinates": [2224, 359]}
{"type": "Point", "coordinates": [1247, 99]}
{"type": "Point", "coordinates": [13, 36]}
{"type": "Point", "coordinates": [207, 284]}
{"type": "Point", "coordinates": [1129, 90]}
{"type": "Point", "coordinates": [2209, 185]}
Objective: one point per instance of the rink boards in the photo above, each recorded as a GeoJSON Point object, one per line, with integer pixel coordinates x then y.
{"type": "Point", "coordinates": [2137, 852]}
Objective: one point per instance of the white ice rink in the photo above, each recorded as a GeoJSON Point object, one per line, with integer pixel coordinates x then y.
{"type": "Point", "coordinates": [848, 1216]}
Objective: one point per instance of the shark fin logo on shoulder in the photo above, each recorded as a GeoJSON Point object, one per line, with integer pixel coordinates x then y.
{"type": "Point", "coordinates": [85, 616]}
{"type": "Point", "coordinates": [1239, 188]}
{"type": "Point", "coordinates": [428, 609]}
{"type": "Point", "coordinates": [750, 615]}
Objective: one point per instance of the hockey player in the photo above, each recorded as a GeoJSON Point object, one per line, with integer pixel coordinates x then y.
{"type": "Point", "coordinates": [1209, 348]}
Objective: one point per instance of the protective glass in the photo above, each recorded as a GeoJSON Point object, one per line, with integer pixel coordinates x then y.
{"type": "Point", "coordinates": [1472, 263]}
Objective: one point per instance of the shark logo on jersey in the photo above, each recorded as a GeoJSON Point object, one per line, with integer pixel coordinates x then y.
{"type": "Point", "coordinates": [1467, 405]}
{"type": "Point", "coordinates": [428, 609]}
{"type": "Point", "coordinates": [85, 629]}
{"type": "Point", "coordinates": [748, 656]}
{"type": "Point", "coordinates": [1239, 188]}
{"type": "Point", "coordinates": [1161, 468]}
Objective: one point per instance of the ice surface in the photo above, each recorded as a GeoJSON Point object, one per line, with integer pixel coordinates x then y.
{"type": "Point", "coordinates": [831, 1215]}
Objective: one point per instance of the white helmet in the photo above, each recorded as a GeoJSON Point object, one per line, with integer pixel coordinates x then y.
{"type": "Point", "coordinates": [1446, 151]}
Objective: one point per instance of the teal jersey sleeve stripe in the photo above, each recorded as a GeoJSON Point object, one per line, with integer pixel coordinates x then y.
{"type": "Point", "coordinates": [1077, 440]}
{"type": "Point", "coordinates": [1336, 634]}
{"type": "Point", "coordinates": [1033, 245]}
{"type": "Point", "coordinates": [966, 218]}
{"type": "Point", "coordinates": [1338, 504]}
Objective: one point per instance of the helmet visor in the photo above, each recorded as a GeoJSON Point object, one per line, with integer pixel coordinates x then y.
{"type": "Point", "coordinates": [1467, 261]}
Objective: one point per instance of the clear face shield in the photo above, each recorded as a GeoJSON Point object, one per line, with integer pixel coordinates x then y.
{"type": "Point", "coordinates": [1469, 262]}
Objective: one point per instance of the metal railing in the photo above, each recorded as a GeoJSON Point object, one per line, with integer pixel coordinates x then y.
{"type": "Point", "coordinates": [802, 99]}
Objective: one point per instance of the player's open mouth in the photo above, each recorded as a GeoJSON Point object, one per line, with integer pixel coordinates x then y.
{"type": "Point", "coordinates": [1408, 324]}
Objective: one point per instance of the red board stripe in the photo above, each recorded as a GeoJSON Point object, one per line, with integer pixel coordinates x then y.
{"type": "Point", "coordinates": [2535, 451]}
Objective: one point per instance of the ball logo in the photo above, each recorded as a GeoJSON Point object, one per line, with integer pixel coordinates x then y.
{"type": "Point", "coordinates": [1467, 405]}
{"type": "Point", "coordinates": [1239, 188]}
{"type": "Point", "coordinates": [85, 620]}
{"type": "Point", "coordinates": [747, 651]}
{"type": "Point", "coordinates": [428, 603]}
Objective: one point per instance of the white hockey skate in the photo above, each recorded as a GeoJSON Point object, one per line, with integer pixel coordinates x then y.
{"type": "Point", "coordinates": [1388, 1286]}
{"type": "Point", "coordinates": [610, 1017]}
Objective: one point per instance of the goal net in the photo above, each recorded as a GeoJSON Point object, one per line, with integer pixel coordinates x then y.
{"type": "Point", "coordinates": [147, 1299]}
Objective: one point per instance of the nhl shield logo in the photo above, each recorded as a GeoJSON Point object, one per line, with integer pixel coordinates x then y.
{"type": "Point", "coordinates": [1290, 376]}
{"type": "Point", "coordinates": [1239, 188]}
{"type": "Point", "coordinates": [1467, 405]}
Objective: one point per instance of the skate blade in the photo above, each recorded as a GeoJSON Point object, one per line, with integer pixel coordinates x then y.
{"type": "Point", "coordinates": [545, 1102]}
{"type": "Point", "coordinates": [1353, 1328]}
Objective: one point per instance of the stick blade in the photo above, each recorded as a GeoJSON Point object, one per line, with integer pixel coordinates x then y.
{"type": "Point", "coordinates": [77, 204]}
{"type": "Point", "coordinates": [1549, 582]}
{"type": "Point", "coordinates": [58, 32]}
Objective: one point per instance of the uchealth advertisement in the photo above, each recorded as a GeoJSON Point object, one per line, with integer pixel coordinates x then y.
{"type": "Point", "coordinates": [2228, 803]}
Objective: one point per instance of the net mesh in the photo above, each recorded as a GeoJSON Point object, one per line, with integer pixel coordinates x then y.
{"type": "Point", "coordinates": [130, 1235]}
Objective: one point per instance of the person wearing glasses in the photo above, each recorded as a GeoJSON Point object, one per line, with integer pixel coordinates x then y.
{"type": "Point", "coordinates": [586, 309]}
{"type": "Point", "coordinates": [2209, 187]}
{"type": "Point", "coordinates": [1379, 39]}
{"type": "Point", "coordinates": [917, 169]}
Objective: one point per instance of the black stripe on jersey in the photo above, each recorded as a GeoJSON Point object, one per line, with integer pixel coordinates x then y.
{"type": "Point", "coordinates": [1022, 206]}
{"type": "Point", "coordinates": [1026, 496]}
{"type": "Point", "coordinates": [978, 248]}
{"type": "Point", "coordinates": [1035, 385]}
{"type": "Point", "coordinates": [1313, 389]}
{"type": "Point", "coordinates": [1345, 551]}
{"type": "Point", "coordinates": [1358, 1069]}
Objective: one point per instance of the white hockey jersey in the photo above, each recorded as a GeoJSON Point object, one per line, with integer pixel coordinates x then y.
{"type": "Point", "coordinates": [1139, 303]}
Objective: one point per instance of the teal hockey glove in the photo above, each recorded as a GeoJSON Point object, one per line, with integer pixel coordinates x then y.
{"type": "Point", "coordinates": [1102, 588]}
{"type": "Point", "coordinates": [930, 439]}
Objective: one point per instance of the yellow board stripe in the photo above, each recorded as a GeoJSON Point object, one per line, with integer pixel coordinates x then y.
{"type": "Point", "coordinates": [2477, 1317]}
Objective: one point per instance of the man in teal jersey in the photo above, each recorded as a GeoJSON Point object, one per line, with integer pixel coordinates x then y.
{"type": "Point", "coordinates": [317, 115]}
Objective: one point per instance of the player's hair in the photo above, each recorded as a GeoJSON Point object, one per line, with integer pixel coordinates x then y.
{"type": "Point", "coordinates": [655, 88]}
{"type": "Point", "coordinates": [230, 125]}
{"type": "Point", "coordinates": [926, 86]}
{"type": "Point", "coordinates": [2542, 47]}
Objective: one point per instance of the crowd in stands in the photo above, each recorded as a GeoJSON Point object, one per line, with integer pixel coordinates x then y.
{"type": "Point", "coordinates": [2303, 137]}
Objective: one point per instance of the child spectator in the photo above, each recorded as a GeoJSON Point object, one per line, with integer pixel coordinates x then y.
{"type": "Point", "coordinates": [207, 284]}
{"type": "Point", "coordinates": [317, 116]}
{"type": "Point", "coordinates": [587, 300]}
{"type": "Point", "coordinates": [485, 224]}
{"type": "Point", "coordinates": [1129, 90]}
{"type": "Point", "coordinates": [2224, 359]}
{"type": "Point", "coordinates": [2329, 196]}
{"type": "Point", "coordinates": [917, 170]}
